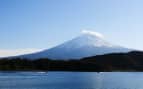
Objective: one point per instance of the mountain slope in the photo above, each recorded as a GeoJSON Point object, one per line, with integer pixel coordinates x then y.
{"type": "Point", "coordinates": [86, 45]}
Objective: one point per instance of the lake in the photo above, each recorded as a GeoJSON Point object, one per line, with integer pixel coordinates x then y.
{"type": "Point", "coordinates": [71, 80]}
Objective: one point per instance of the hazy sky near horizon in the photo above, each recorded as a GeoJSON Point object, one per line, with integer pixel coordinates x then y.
{"type": "Point", "coordinates": [39, 24]}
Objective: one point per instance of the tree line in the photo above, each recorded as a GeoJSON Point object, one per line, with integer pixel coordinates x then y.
{"type": "Point", "coordinates": [132, 61]}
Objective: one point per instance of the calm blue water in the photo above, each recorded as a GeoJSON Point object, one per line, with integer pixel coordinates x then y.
{"type": "Point", "coordinates": [71, 80]}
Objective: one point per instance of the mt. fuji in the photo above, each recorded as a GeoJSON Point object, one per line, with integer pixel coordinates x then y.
{"type": "Point", "coordinates": [87, 44]}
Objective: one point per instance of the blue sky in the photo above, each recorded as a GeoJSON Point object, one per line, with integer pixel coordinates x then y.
{"type": "Point", "coordinates": [40, 24]}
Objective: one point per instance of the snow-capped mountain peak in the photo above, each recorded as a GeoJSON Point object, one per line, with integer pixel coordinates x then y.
{"type": "Point", "coordinates": [86, 38]}
{"type": "Point", "coordinates": [89, 43]}
{"type": "Point", "coordinates": [91, 38]}
{"type": "Point", "coordinates": [91, 33]}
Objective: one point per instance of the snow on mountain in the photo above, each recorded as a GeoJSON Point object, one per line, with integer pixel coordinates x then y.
{"type": "Point", "coordinates": [87, 44]}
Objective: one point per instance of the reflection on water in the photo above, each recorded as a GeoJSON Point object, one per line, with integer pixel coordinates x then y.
{"type": "Point", "coordinates": [71, 80]}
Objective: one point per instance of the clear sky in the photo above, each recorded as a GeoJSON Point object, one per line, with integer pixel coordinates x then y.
{"type": "Point", "coordinates": [40, 24]}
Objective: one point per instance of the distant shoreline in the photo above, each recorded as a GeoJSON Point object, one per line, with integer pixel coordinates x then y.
{"type": "Point", "coordinates": [116, 62]}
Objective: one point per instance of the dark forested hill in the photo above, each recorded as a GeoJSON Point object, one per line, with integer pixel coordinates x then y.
{"type": "Point", "coordinates": [132, 61]}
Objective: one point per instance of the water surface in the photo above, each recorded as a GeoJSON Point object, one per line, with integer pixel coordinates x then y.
{"type": "Point", "coordinates": [71, 80]}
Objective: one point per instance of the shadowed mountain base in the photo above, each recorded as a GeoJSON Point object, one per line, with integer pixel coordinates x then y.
{"type": "Point", "coordinates": [132, 61]}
